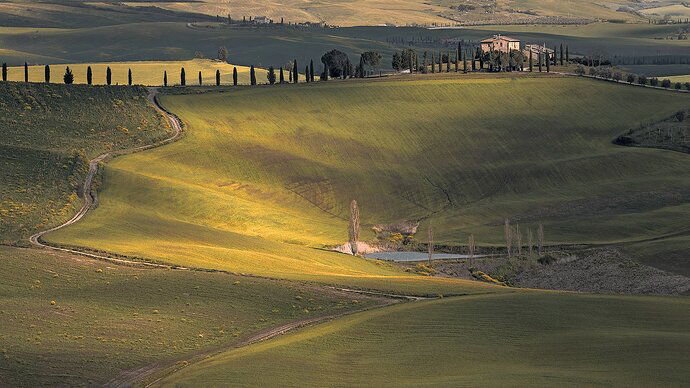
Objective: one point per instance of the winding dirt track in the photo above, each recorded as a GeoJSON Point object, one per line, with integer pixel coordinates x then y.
{"type": "Point", "coordinates": [90, 196]}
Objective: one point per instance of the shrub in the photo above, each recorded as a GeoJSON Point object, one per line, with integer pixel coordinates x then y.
{"type": "Point", "coordinates": [605, 72]}
{"type": "Point", "coordinates": [546, 260]}
{"type": "Point", "coordinates": [687, 85]}
{"type": "Point", "coordinates": [666, 83]}
{"type": "Point", "coordinates": [592, 71]}
{"type": "Point", "coordinates": [654, 81]}
{"type": "Point", "coordinates": [678, 86]}
{"type": "Point", "coordinates": [617, 76]}
{"type": "Point", "coordinates": [642, 80]}
{"type": "Point", "coordinates": [631, 78]}
{"type": "Point", "coordinates": [424, 269]}
{"type": "Point", "coordinates": [680, 116]}
{"type": "Point", "coordinates": [580, 70]}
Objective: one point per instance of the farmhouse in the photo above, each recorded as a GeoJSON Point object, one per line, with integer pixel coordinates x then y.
{"type": "Point", "coordinates": [536, 49]}
{"type": "Point", "coordinates": [500, 43]}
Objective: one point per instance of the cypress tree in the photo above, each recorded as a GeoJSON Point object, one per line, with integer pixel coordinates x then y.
{"type": "Point", "coordinates": [311, 70]}
{"type": "Point", "coordinates": [108, 76]}
{"type": "Point", "coordinates": [89, 75]}
{"type": "Point", "coordinates": [289, 75]}
{"type": "Point", "coordinates": [271, 76]}
{"type": "Point", "coordinates": [464, 63]}
{"type": "Point", "coordinates": [217, 77]}
{"type": "Point", "coordinates": [68, 77]}
{"type": "Point", "coordinates": [433, 63]}
{"type": "Point", "coordinates": [26, 72]}
{"type": "Point", "coordinates": [252, 75]}
{"type": "Point", "coordinates": [326, 73]}
{"type": "Point", "coordinates": [47, 73]}
{"type": "Point", "coordinates": [548, 62]}
{"type": "Point", "coordinates": [282, 77]}
{"type": "Point", "coordinates": [201, 81]}
{"type": "Point", "coordinates": [129, 77]}
{"type": "Point", "coordinates": [530, 61]}
{"type": "Point", "coordinates": [183, 77]}
{"type": "Point", "coordinates": [457, 63]}
{"type": "Point", "coordinates": [306, 72]}
{"type": "Point", "coordinates": [562, 54]}
{"type": "Point", "coordinates": [474, 65]}
{"type": "Point", "coordinates": [361, 66]}
{"type": "Point", "coordinates": [448, 63]}
{"type": "Point", "coordinates": [234, 76]}
{"type": "Point", "coordinates": [165, 78]}
{"type": "Point", "coordinates": [4, 71]}
{"type": "Point", "coordinates": [539, 60]}
{"type": "Point", "coordinates": [567, 55]}
{"type": "Point", "coordinates": [295, 74]}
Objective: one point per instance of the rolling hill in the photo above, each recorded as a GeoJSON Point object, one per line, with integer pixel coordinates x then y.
{"type": "Point", "coordinates": [258, 184]}
{"type": "Point", "coordinates": [496, 340]}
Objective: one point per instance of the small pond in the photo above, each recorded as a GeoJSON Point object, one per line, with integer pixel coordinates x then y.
{"type": "Point", "coordinates": [413, 256]}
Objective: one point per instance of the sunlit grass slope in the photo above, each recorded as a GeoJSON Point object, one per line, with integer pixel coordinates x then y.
{"type": "Point", "coordinates": [111, 318]}
{"type": "Point", "coordinates": [148, 73]}
{"type": "Point", "coordinates": [520, 339]}
{"type": "Point", "coordinates": [43, 129]}
{"type": "Point", "coordinates": [265, 172]}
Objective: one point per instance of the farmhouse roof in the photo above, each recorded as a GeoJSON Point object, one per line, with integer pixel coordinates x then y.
{"type": "Point", "coordinates": [500, 37]}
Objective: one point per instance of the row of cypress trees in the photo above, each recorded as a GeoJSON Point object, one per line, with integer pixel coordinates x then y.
{"type": "Point", "coordinates": [68, 77]}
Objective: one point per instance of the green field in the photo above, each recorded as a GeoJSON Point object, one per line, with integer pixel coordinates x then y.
{"type": "Point", "coordinates": [48, 134]}
{"type": "Point", "coordinates": [518, 339]}
{"type": "Point", "coordinates": [272, 182]}
{"type": "Point", "coordinates": [149, 73]}
{"type": "Point", "coordinates": [109, 318]}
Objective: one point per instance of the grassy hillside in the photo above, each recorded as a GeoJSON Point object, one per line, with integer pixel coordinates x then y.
{"type": "Point", "coordinates": [148, 73]}
{"type": "Point", "coordinates": [111, 318]}
{"type": "Point", "coordinates": [49, 132]}
{"type": "Point", "coordinates": [255, 184]}
{"type": "Point", "coordinates": [519, 339]}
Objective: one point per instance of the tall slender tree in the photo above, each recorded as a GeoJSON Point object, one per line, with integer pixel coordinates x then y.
{"type": "Point", "coordinates": [129, 77]}
{"type": "Point", "coordinates": [217, 77]}
{"type": "Point", "coordinates": [89, 75]}
{"type": "Point", "coordinates": [290, 75]}
{"type": "Point", "coordinates": [353, 227]}
{"type": "Point", "coordinates": [4, 71]}
{"type": "Point", "coordinates": [567, 55]}
{"type": "Point", "coordinates": [183, 77]}
{"type": "Point", "coordinates": [306, 74]}
{"type": "Point", "coordinates": [26, 72]}
{"type": "Point", "coordinates": [548, 62]}
{"type": "Point", "coordinates": [108, 76]}
{"type": "Point", "coordinates": [47, 73]}
{"type": "Point", "coordinates": [295, 74]}
{"type": "Point", "coordinates": [448, 62]}
{"type": "Point", "coordinates": [464, 63]}
{"type": "Point", "coordinates": [326, 72]}
{"type": "Point", "coordinates": [539, 61]}
{"type": "Point", "coordinates": [457, 62]}
{"type": "Point", "coordinates": [311, 70]}
{"type": "Point", "coordinates": [531, 64]}
{"type": "Point", "coordinates": [234, 76]}
{"type": "Point", "coordinates": [433, 63]}
{"type": "Point", "coordinates": [201, 81]}
{"type": "Point", "coordinates": [562, 59]}
{"type": "Point", "coordinates": [68, 78]}
{"type": "Point", "coordinates": [165, 78]}
{"type": "Point", "coordinates": [271, 75]}
{"type": "Point", "coordinates": [282, 76]}
{"type": "Point", "coordinates": [252, 75]}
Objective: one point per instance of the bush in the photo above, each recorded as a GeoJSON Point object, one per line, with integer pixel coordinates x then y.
{"type": "Point", "coordinates": [617, 76]}
{"type": "Point", "coordinates": [592, 71]}
{"type": "Point", "coordinates": [631, 78]}
{"type": "Point", "coordinates": [666, 83]}
{"type": "Point", "coordinates": [580, 70]}
{"type": "Point", "coordinates": [680, 116]}
{"type": "Point", "coordinates": [546, 260]}
{"type": "Point", "coordinates": [654, 81]}
{"type": "Point", "coordinates": [687, 85]}
{"type": "Point", "coordinates": [642, 80]}
{"type": "Point", "coordinates": [678, 86]}
{"type": "Point", "coordinates": [605, 72]}
{"type": "Point", "coordinates": [624, 141]}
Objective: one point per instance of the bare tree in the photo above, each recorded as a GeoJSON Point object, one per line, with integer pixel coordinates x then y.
{"type": "Point", "coordinates": [507, 231]}
{"type": "Point", "coordinates": [354, 226]}
{"type": "Point", "coordinates": [540, 239]}
{"type": "Point", "coordinates": [530, 242]}
{"type": "Point", "coordinates": [431, 243]}
{"type": "Point", "coordinates": [518, 239]}
{"type": "Point", "coordinates": [471, 247]}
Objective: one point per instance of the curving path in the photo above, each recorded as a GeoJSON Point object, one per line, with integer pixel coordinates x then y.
{"type": "Point", "coordinates": [90, 196]}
